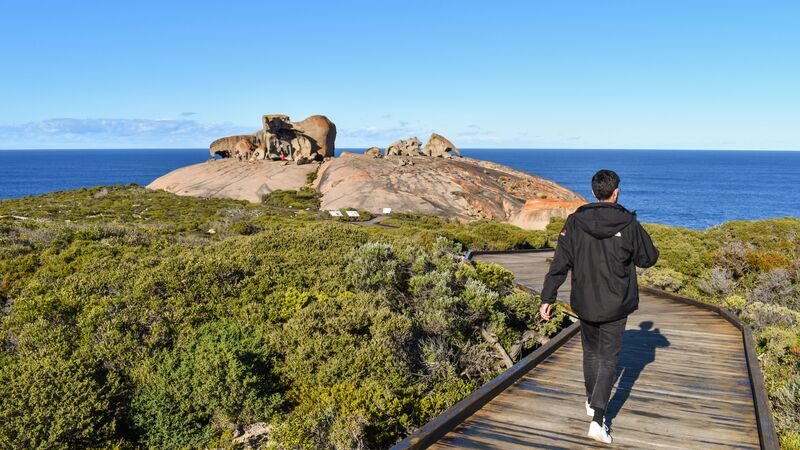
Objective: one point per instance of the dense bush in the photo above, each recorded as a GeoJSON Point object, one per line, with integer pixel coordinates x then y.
{"type": "Point", "coordinates": [52, 401]}
{"type": "Point", "coordinates": [303, 198]}
{"type": "Point", "coordinates": [134, 318]}
{"type": "Point", "coordinates": [217, 378]}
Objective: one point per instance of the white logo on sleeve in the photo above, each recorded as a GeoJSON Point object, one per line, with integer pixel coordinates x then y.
{"type": "Point", "coordinates": [619, 234]}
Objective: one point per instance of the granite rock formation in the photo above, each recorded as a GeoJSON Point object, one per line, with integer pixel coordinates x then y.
{"type": "Point", "coordinates": [463, 188]}
{"type": "Point", "coordinates": [440, 146]}
{"type": "Point", "coordinates": [437, 146]}
{"type": "Point", "coordinates": [322, 133]}
{"type": "Point", "coordinates": [406, 147]}
{"type": "Point", "coordinates": [281, 139]}
{"type": "Point", "coordinates": [230, 178]}
{"type": "Point", "coordinates": [374, 152]}
{"type": "Point", "coordinates": [405, 180]}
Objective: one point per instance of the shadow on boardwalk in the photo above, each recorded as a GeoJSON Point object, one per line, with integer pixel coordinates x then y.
{"type": "Point", "coordinates": [638, 350]}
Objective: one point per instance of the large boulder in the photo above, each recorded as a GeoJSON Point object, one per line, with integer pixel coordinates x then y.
{"type": "Point", "coordinates": [406, 147]}
{"type": "Point", "coordinates": [374, 152]}
{"type": "Point", "coordinates": [239, 146]}
{"type": "Point", "coordinates": [321, 131]}
{"type": "Point", "coordinates": [440, 146]}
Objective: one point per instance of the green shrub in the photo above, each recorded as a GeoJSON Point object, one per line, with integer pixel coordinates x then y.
{"type": "Point", "coordinates": [789, 440]}
{"type": "Point", "coordinates": [776, 287]}
{"type": "Point", "coordinates": [762, 315]}
{"type": "Point", "coordinates": [719, 282]}
{"type": "Point", "coordinates": [424, 221]}
{"type": "Point", "coordinates": [663, 278]}
{"type": "Point", "coordinates": [346, 363]}
{"type": "Point", "coordinates": [491, 235]}
{"type": "Point", "coordinates": [374, 266]}
{"type": "Point", "coordinates": [53, 401]}
{"type": "Point", "coordinates": [553, 229]}
{"type": "Point", "coordinates": [734, 302]}
{"type": "Point", "coordinates": [245, 228]}
{"type": "Point", "coordinates": [494, 276]}
{"type": "Point", "coordinates": [786, 401]}
{"type": "Point", "coordinates": [311, 177]}
{"type": "Point", "coordinates": [684, 251]}
{"type": "Point", "coordinates": [303, 198]}
{"type": "Point", "coordinates": [218, 378]}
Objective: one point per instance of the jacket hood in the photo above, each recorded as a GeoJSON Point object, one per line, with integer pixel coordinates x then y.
{"type": "Point", "coordinates": [603, 219]}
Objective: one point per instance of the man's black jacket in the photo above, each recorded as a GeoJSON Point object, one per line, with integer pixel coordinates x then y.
{"type": "Point", "coordinates": [601, 243]}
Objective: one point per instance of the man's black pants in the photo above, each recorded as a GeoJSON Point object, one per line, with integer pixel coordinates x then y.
{"type": "Point", "coordinates": [601, 344]}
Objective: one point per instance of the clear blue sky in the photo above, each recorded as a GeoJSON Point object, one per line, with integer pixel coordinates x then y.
{"type": "Point", "coordinates": [592, 74]}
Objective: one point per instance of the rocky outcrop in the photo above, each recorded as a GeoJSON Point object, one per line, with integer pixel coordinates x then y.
{"type": "Point", "coordinates": [322, 133]}
{"type": "Point", "coordinates": [440, 146]}
{"type": "Point", "coordinates": [239, 146]}
{"type": "Point", "coordinates": [535, 214]}
{"type": "Point", "coordinates": [406, 147]}
{"type": "Point", "coordinates": [437, 146]}
{"type": "Point", "coordinates": [404, 180]}
{"type": "Point", "coordinates": [463, 188]}
{"type": "Point", "coordinates": [281, 139]}
{"type": "Point", "coordinates": [230, 178]}
{"type": "Point", "coordinates": [374, 152]}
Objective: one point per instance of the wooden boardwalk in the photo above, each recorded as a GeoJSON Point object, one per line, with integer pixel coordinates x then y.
{"type": "Point", "coordinates": [683, 382]}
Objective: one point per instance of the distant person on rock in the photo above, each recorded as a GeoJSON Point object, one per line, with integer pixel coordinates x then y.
{"type": "Point", "coordinates": [602, 243]}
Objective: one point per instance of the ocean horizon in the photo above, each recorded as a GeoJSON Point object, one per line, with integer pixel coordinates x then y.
{"type": "Point", "coordinates": [694, 189]}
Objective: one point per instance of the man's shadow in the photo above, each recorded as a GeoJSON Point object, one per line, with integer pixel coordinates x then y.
{"type": "Point", "coordinates": [638, 350]}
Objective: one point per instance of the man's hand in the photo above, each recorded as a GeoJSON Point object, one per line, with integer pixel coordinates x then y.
{"type": "Point", "coordinates": [544, 311]}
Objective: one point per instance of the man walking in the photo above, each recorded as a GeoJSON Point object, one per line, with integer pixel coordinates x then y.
{"type": "Point", "coordinates": [602, 243]}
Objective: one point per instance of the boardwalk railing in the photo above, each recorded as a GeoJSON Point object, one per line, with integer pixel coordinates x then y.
{"type": "Point", "coordinates": [458, 413]}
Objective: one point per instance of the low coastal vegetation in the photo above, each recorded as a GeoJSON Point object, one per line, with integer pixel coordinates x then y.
{"type": "Point", "coordinates": [477, 235]}
{"type": "Point", "coordinates": [135, 318]}
{"type": "Point", "coordinates": [303, 198]}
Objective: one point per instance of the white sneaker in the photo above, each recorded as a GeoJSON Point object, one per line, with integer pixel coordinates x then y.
{"type": "Point", "coordinates": [589, 409]}
{"type": "Point", "coordinates": [599, 433]}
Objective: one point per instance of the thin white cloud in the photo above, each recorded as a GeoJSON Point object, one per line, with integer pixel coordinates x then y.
{"type": "Point", "coordinates": [472, 135]}
{"type": "Point", "coordinates": [190, 133]}
{"type": "Point", "coordinates": [114, 132]}
{"type": "Point", "coordinates": [380, 136]}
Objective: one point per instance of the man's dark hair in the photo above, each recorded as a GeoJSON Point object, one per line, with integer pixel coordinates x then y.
{"type": "Point", "coordinates": [603, 184]}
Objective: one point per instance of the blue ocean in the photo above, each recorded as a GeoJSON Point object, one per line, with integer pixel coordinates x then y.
{"type": "Point", "coordinates": [693, 189]}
